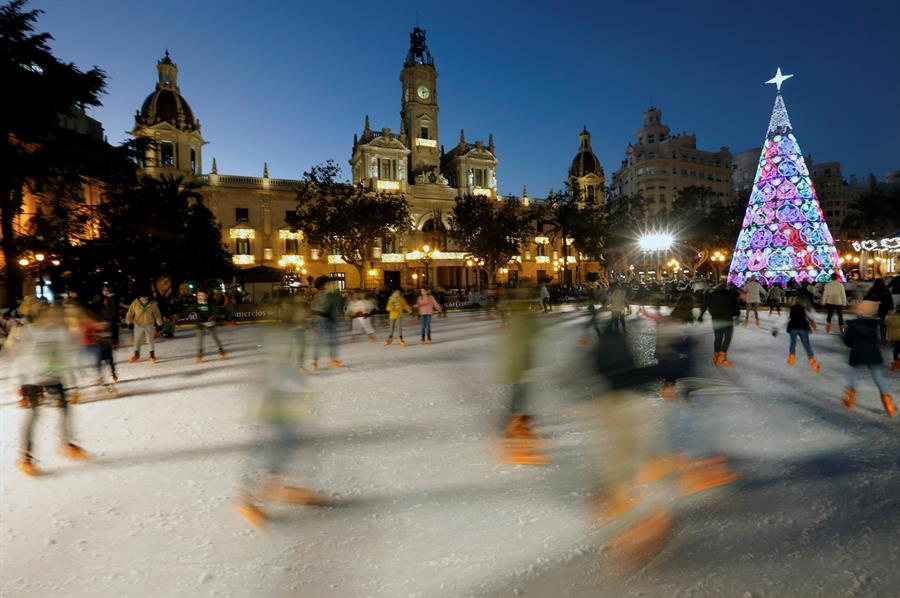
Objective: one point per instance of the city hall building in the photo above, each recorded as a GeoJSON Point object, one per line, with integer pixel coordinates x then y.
{"type": "Point", "coordinates": [412, 161]}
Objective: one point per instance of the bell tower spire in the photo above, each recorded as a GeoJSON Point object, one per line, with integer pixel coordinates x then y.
{"type": "Point", "coordinates": [419, 107]}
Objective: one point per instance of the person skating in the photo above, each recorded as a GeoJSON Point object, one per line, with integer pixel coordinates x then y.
{"type": "Point", "coordinates": [618, 304]}
{"type": "Point", "coordinates": [143, 314]}
{"type": "Point", "coordinates": [754, 292]}
{"type": "Point", "coordinates": [426, 305]}
{"type": "Point", "coordinates": [397, 307]}
{"type": "Point", "coordinates": [776, 297]}
{"type": "Point", "coordinates": [204, 315]}
{"type": "Point", "coordinates": [327, 306]}
{"type": "Point", "coordinates": [45, 362]}
{"type": "Point", "coordinates": [673, 343]}
{"type": "Point", "coordinates": [723, 308]}
{"type": "Point", "coordinates": [835, 298]}
{"type": "Point", "coordinates": [881, 295]}
{"type": "Point", "coordinates": [861, 335]}
{"type": "Point", "coordinates": [545, 298]}
{"type": "Point", "coordinates": [360, 309]}
{"type": "Point", "coordinates": [284, 392]}
{"type": "Point", "coordinates": [799, 325]}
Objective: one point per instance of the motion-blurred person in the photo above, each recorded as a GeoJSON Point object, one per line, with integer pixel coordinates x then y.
{"type": "Point", "coordinates": [674, 344]}
{"type": "Point", "coordinates": [799, 326]}
{"type": "Point", "coordinates": [397, 307]}
{"type": "Point", "coordinates": [45, 362]}
{"type": "Point", "coordinates": [893, 324]}
{"type": "Point", "coordinates": [861, 336]}
{"type": "Point", "coordinates": [360, 308]}
{"type": "Point", "coordinates": [280, 410]}
{"type": "Point", "coordinates": [835, 299]}
{"type": "Point", "coordinates": [723, 308]}
{"type": "Point", "coordinates": [754, 292]}
{"type": "Point", "coordinates": [545, 298]}
{"type": "Point", "coordinates": [880, 294]}
{"type": "Point", "coordinates": [143, 314]}
{"type": "Point", "coordinates": [519, 443]}
{"type": "Point", "coordinates": [204, 315]}
{"type": "Point", "coordinates": [327, 306]}
{"type": "Point", "coordinates": [426, 306]}
{"type": "Point", "coordinates": [618, 304]}
{"type": "Point", "coordinates": [776, 298]}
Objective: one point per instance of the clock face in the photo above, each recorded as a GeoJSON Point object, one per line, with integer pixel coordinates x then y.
{"type": "Point", "coordinates": [423, 92]}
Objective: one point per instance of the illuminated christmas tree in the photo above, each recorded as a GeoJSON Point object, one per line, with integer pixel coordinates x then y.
{"type": "Point", "coordinates": [784, 236]}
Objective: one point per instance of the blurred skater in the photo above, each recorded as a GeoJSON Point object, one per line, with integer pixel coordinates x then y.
{"type": "Point", "coordinates": [397, 307]}
{"type": "Point", "coordinates": [426, 306]}
{"type": "Point", "coordinates": [723, 308]}
{"type": "Point", "coordinates": [893, 324]}
{"type": "Point", "coordinates": [327, 306]}
{"type": "Point", "coordinates": [204, 315]}
{"type": "Point", "coordinates": [143, 314]}
{"type": "Point", "coordinates": [775, 298]}
{"type": "Point", "coordinates": [862, 337]}
{"type": "Point", "coordinates": [880, 294]}
{"type": "Point", "coordinates": [283, 394]}
{"type": "Point", "coordinates": [360, 309]}
{"type": "Point", "coordinates": [618, 304]}
{"type": "Point", "coordinates": [834, 296]}
{"type": "Point", "coordinates": [754, 292]}
{"type": "Point", "coordinates": [674, 345]}
{"type": "Point", "coordinates": [111, 314]}
{"type": "Point", "coordinates": [45, 363]}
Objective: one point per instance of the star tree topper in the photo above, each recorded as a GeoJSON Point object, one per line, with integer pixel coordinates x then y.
{"type": "Point", "coordinates": [778, 79]}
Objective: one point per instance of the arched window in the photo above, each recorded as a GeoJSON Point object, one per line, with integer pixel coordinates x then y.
{"type": "Point", "coordinates": [432, 225]}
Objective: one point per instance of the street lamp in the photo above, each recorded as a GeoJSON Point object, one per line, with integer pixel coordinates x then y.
{"type": "Point", "coordinates": [426, 259]}
{"type": "Point", "coordinates": [415, 278]}
{"type": "Point", "coordinates": [717, 258]}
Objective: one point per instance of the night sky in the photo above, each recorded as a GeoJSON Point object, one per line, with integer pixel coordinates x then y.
{"type": "Point", "coordinates": [289, 82]}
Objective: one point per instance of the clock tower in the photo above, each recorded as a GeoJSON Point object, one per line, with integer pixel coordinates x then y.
{"type": "Point", "coordinates": [419, 109]}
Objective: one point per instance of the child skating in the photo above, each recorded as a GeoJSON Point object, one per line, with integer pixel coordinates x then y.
{"type": "Point", "coordinates": [397, 307]}
{"type": "Point", "coordinates": [143, 314]}
{"type": "Point", "coordinates": [799, 326]}
{"type": "Point", "coordinates": [205, 314]}
{"type": "Point", "coordinates": [427, 305]}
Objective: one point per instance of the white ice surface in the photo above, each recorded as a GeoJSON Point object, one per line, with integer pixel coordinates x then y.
{"type": "Point", "coordinates": [401, 439]}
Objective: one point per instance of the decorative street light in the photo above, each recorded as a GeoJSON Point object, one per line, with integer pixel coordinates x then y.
{"type": "Point", "coordinates": [426, 259]}
{"type": "Point", "coordinates": [717, 258]}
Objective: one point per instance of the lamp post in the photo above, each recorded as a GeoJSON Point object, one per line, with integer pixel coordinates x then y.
{"type": "Point", "coordinates": [717, 258]}
{"type": "Point", "coordinates": [426, 259]}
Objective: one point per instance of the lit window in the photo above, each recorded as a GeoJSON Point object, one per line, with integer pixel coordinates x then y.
{"type": "Point", "coordinates": [242, 246]}
{"type": "Point", "coordinates": [291, 246]}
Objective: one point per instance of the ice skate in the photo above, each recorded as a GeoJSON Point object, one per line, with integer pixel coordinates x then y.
{"type": "Point", "coordinates": [428, 341]}
{"type": "Point", "coordinates": [612, 504]}
{"type": "Point", "coordinates": [717, 358]}
{"type": "Point", "coordinates": [705, 474]}
{"type": "Point", "coordinates": [792, 359]}
{"type": "Point", "coordinates": [849, 398]}
{"type": "Point", "coordinates": [757, 322]}
{"type": "Point", "coordinates": [724, 361]}
{"type": "Point", "coordinates": [895, 365]}
{"type": "Point", "coordinates": [136, 357]}
{"type": "Point", "coordinates": [402, 342]}
{"type": "Point", "coordinates": [816, 368]}
{"type": "Point", "coordinates": [152, 358]}
{"type": "Point", "coordinates": [388, 341]}
{"type": "Point", "coordinates": [335, 363]}
{"type": "Point", "coordinates": [889, 406]}
{"type": "Point", "coordinates": [276, 490]}
{"type": "Point", "coordinates": [635, 546]}
{"type": "Point", "coordinates": [73, 451]}
{"type": "Point", "coordinates": [252, 514]}
{"type": "Point", "coordinates": [314, 365]}
{"type": "Point", "coordinates": [746, 323]}
{"type": "Point", "coordinates": [26, 466]}
{"type": "Point", "coordinates": [199, 357]}
{"type": "Point", "coordinates": [73, 398]}
{"type": "Point", "coordinates": [222, 353]}
{"type": "Point", "coordinates": [842, 328]}
{"type": "Point", "coordinates": [668, 391]}
{"type": "Point", "coordinates": [115, 379]}
{"type": "Point", "coordinates": [828, 328]}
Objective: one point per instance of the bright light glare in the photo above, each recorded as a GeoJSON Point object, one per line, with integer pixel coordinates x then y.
{"type": "Point", "coordinates": [656, 241]}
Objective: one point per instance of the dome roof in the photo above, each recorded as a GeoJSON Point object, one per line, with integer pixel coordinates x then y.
{"type": "Point", "coordinates": [585, 162]}
{"type": "Point", "coordinates": [166, 104]}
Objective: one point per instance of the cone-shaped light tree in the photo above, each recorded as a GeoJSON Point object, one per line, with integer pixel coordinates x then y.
{"type": "Point", "coordinates": [784, 236]}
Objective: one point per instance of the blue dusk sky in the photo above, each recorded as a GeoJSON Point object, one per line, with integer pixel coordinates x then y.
{"type": "Point", "coordinates": [290, 82]}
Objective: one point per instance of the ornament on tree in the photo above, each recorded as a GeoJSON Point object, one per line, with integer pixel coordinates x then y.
{"type": "Point", "coordinates": [784, 235]}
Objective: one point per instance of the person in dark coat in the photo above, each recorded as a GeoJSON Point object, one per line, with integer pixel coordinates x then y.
{"type": "Point", "coordinates": [722, 305]}
{"type": "Point", "coordinates": [111, 314]}
{"type": "Point", "coordinates": [881, 295]}
{"type": "Point", "coordinates": [861, 335]}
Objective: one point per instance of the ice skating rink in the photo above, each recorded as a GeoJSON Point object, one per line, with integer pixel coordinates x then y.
{"type": "Point", "coordinates": [401, 440]}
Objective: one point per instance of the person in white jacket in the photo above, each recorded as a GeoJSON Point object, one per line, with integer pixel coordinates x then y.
{"type": "Point", "coordinates": [45, 362]}
{"type": "Point", "coordinates": [835, 298]}
{"type": "Point", "coordinates": [754, 292]}
{"type": "Point", "coordinates": [359, 309]}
